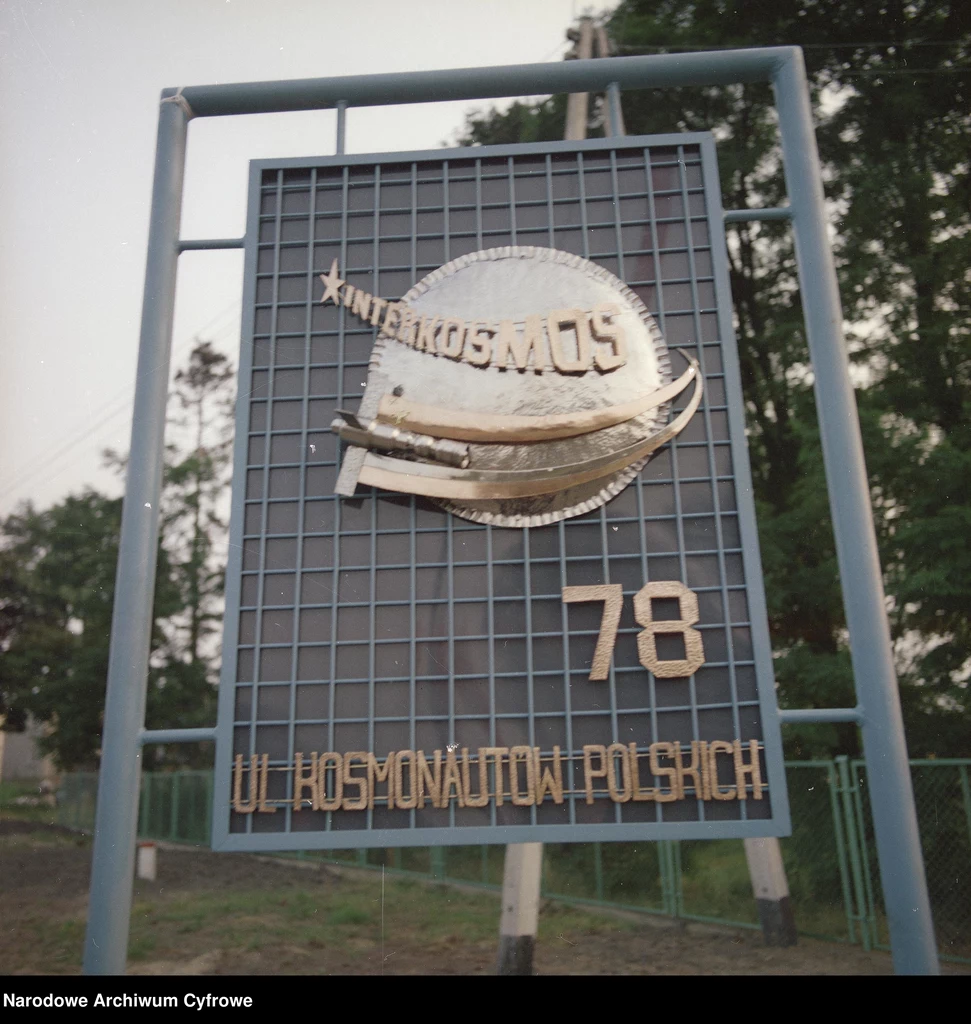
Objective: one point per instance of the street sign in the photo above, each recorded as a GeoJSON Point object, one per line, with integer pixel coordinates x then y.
{"type": "Point", "coordinates": [493, 573]}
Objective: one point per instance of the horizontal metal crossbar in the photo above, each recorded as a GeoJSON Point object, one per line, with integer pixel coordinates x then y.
{"type": "Point", "coordinates": [788, 716]}
{"type": "Point", "coordinates": [211, 243]}
{"type": "Point", "coordinates": [176, 736]}
{"type": "Point", "coordinates": [769, 213]}
{"type": "Point", "coordinates": [792, 716]}
{"type": "Point", "coordinates": [665, 70]}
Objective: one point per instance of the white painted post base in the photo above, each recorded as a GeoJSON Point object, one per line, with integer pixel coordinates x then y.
{"type": "Point", "coordinates": [147, 861]}
{"type": "Point", "coordinates": [520, 907]}
{"type": "Point", "coordinates": [771, 890]}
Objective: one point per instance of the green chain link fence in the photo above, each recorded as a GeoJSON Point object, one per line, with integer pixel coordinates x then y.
{"type": "Point", "coordinates": [943, 798]}
{"type": "Point", "coordinates": [830, 858]}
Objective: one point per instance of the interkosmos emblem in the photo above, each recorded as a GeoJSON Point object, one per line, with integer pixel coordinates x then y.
{"type": "Point", "coordinates": [517, 386]}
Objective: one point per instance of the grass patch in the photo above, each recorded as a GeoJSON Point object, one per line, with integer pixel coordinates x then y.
{"type": "Point", "coordinates": [559, 919]}
{"type": "Point", "coordinates": [11, 791]}
{"type": "Point", "coordinates": [342, 916]}
{"type": "Point", "coordinates": [142, 947]}
{"type": "Point", "coordinates": [279, 921]}
{"type": "Point", "coordinates": [58, 945]}
{"type": "Point", "coordinates": [715, 881]}
{"type": "Point", "coordinates": [40, 837]}
{"type": "Point", "coordinates": [348, 915]}
{"type": "Point", "coordinates": [41, 815]}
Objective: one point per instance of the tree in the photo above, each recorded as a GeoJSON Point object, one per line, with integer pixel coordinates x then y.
{"type": "Point", "coordinates": [57, 567]}
{"type": "Point", "coordinates": [194, 530]}
{"type": "Point", "coordinates": [894, 134]}
{"type": "Point", "coordinates": [520, 122]}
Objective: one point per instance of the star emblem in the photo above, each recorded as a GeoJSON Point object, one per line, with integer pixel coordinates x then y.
{"type": "Point", "coordinates": [331, 284]}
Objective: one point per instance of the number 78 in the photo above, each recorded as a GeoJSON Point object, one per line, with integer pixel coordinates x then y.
{"type": "Point", "coordinates": [613, 598]}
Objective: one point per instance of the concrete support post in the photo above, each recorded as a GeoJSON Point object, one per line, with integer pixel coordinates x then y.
{"type": "Point", "coordinates": [771, 890]}
{"type": "Point", "coordinates": [520, 908]}
{"type": "Point", "coordinates": [577, 103]}
{"type": "Point", "coordinates": [147, 864]}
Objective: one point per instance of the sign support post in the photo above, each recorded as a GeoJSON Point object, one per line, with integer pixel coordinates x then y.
{"type": "Point", "coordinates": [520, 907]}
{"type": "Point", "coordinates": [113, 857]}
{"type": "Point", "coordinates": [885, 747]}
{"type": "Point", "coordinates": [771, 891]}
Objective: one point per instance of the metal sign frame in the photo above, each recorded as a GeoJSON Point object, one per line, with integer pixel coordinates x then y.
{"type": "Point", "coordinates": [878, 711]}
{"type": "Point", "coordinates": [453, 834]}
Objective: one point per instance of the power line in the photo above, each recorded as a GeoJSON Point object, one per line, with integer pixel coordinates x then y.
{"type": "Point", "coordinates": [124, 409]}
{"type": "Point", "coordinates": [962, 69]}
{"type": "Point", "coordinates": [559, 46]}
{"type": "Point", "coordinates": [28, 474]}
{"type": "Point", "coordinates": [903, 44]}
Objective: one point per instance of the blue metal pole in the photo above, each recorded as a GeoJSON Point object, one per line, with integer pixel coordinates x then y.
{"type": "Point", "coordinates": [341, 126]}
{"type": "Point", "coordinates": [176, 736]}
{"type": "Point", "coordinates": [211, 243]}
{"type": "Point", "coordinates": [615, 118]}
{"type": "Point", "coordinates": [795, 716]}
{"type": "Point", "coordinates": [662, 70]}
{"type": "Point", "coordinates": [891, 791]}
{"type": "Point", "coordinates": [766, 213]}
{"type": "Point", "coordinates": [116, 821]}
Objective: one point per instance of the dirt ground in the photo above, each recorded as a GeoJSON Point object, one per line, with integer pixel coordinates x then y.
{"type": "Point", "coordinates": [232, 914]}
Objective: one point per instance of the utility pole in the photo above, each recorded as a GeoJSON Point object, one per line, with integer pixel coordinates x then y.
{"type": "Point", "coordinates": [522, 873]}
{"type": "Point", "coordinates": [576, 103]}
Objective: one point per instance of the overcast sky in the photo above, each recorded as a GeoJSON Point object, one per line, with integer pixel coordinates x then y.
{"type": "Point", "coordinates": [80, 81]}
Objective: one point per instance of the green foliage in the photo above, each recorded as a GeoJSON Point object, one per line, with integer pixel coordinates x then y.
{"type": "Point", "coordinates": [716, 880]}
{"type": "Point", "coordinates": [891, 87]}
{"type": "Point", "coordinates": [194, 531]}
{"type": "Point", "coordinates": [520, 122]}
{"type": "Point", "coordinates": [348, 915]}
{"type": "Point", "coordinates": [59, 564]}
{"type": "Point", "coordinates": [57, 568]}
{"type": "Point", "coordinates": [196, 479]}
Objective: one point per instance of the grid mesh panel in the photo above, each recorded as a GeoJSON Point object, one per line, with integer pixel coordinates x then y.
{"type": "Point", "coordinates": [382, 623]}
